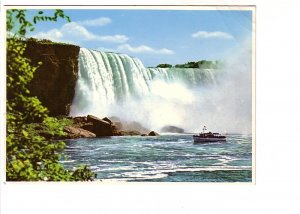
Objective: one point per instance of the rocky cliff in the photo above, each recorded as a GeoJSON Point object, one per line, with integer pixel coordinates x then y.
{"type": "Point", "coordinates": [54, 81]}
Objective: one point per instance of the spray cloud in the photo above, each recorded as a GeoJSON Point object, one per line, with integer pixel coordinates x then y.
{"type": "Point", "coordinates": [117, 85]}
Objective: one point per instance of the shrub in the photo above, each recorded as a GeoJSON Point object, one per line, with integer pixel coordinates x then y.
{"type": "Point", "coordinates": [29, 155]}
{"type": "Point", "coordinates": [164, 66]}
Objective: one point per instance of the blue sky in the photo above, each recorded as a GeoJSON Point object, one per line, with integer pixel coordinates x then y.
{"type": "Point", "coordinates": [154, 36]}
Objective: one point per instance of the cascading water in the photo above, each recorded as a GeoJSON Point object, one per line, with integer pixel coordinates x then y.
{"type": "Point", "coordinates": [111, 84]}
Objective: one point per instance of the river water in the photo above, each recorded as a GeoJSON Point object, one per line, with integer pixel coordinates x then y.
{"type": "Point", "coordinates": [164, 158]}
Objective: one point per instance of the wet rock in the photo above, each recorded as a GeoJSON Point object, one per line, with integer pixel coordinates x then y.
{"type": "Point", "coordinates": [153, 133]}
{"type": "Point", "coordinates": [107, 120]}
{"type": "Point", "coordinates": [88, 126]}
{"type": "Point", "coordinates": [109, 127]}
{"type": "Point", "coordinates": [73, 132]}
{"type": "Point", "coordinates": [126, 133]}
{"type": "Point", "coordinates": [100, 127]}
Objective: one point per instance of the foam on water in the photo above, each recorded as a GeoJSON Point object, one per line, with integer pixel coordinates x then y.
{"type": "Point", "coordinates": [163, 158]}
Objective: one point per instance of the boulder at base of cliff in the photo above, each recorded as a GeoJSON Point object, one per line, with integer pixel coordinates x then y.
{"type": "Point", "coordinates": [153, 133]}
{"type": "Point", "coordinates": [74, 132]}
{"type": "Point", "coordinates": [100, 127]}
{"type": "Point", "coordinates": [107, 120]}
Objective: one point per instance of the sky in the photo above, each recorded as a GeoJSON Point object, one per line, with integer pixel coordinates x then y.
{"type": "Point", "coordinates": [153, 36]}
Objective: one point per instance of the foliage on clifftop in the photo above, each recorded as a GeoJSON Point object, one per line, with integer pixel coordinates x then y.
{"type": "Point", "coordinates": [30, 156]}
{"type": "Point", "coordinates": [39, 41]}
{"type": "Point", "coordinates": [205, 64]}
{"type": "Point", "coordinates": [164, 66]}
{"type": "Point", "coordinates": [46, 42]}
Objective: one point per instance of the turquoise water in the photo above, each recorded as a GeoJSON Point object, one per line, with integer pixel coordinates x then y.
{"type": "Point", "coordinates": [165, 158]}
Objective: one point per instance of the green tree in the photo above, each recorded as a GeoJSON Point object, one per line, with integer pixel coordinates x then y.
{"type": "Point", "coordinates": [164, 66]}
{"type": "Point", "coordinates": [30, 156]}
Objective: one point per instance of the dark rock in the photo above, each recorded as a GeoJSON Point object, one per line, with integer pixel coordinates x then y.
{"type": "Point", "coordinates": [130, 133]}
{"type": "Point", "coordinates": [143, 135]}
{"type": "Point", "coordinates": [153, 133]}
{"type": "Point", "coordinates": [107, 127]}
{"type": "Point", "coordinates": [74, 132]}
{"type": "Point", "coordinates": [173, 129]}
{"type": "Point", "coordinates": [94, 119]}
{"type": "Point", "coordinates": [88, 126]}
{"type": "Point", "coordinates": [100, 127]}
{"type": "Point", "coordinates": [107, 120]}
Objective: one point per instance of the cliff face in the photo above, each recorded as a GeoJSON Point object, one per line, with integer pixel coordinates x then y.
{"type": "Point", "coordinates": [54, 81]}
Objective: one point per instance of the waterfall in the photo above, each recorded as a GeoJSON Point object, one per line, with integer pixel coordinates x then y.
{"type": "Point", "coordinates": [107, 79]}
{"type": "Point", "coordinates": [111, 84]}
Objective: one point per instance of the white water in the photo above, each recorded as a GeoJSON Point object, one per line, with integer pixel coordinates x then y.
{"type": "Point", "coordinates": [111, 84]}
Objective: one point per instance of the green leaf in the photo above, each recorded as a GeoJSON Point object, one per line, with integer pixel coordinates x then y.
{"type": "Point", "coordinates": [25, 133]}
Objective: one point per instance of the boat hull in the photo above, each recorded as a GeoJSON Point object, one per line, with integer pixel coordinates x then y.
{"type": "Point", "coordinates": [198, 139]}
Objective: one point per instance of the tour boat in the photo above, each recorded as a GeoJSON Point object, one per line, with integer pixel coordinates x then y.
{"type": "Point", "coordinates": [206, 137]}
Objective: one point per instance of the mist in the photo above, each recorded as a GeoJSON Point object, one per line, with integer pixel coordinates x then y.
{"type": "Point", "coordinates": [224, 105]}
